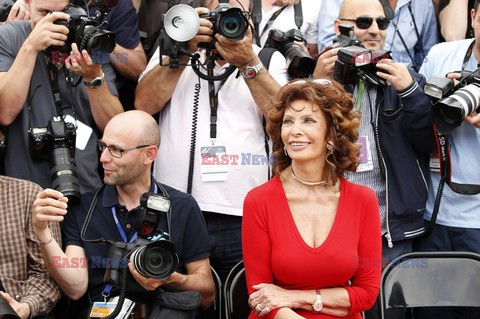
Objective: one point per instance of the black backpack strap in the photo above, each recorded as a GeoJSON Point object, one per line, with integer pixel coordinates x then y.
{"type": "Point", "coordinates": [265, 56]}
{"type": "Point", "coordinates": [257, 18]}
{"type": "Point", "coordinates": [298, 14]}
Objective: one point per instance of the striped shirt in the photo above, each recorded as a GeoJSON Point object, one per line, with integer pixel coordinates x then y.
{"type": "Point", "coordinates": [371, 178]}
{"type": "Point", "coordinates": [22, 270]}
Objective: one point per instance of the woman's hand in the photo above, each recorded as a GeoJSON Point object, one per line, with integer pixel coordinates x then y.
{"type": "Point", "coordinates": [268, 297]}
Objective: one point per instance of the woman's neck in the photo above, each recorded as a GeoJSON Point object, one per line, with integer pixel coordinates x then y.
{"type": "Point", "coordinates": [309, 172]}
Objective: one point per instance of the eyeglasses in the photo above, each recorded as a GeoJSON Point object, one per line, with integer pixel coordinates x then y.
{"type": "Point", "coordinates": [365, 22]}
{"type": "Point", "coordinates": [319, 81]}
{"type": "Point", "coordinates": [117, 151]}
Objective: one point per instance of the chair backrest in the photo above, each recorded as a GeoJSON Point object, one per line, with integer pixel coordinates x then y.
{"type": "Point", "coordinates": [431, 279]}
{"type": "Point", "coordinates": [217, 303]}
{"type": "Point", "coordinates": [236, 293]}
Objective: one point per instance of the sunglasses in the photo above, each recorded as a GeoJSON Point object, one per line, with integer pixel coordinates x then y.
{"type": "Point", "coordinates": [365, 22]}
{"type": "Point", "coordinates": [319, 81]}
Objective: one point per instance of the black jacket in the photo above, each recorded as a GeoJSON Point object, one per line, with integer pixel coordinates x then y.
{"type": "Point", "coordinates": [404, 132]}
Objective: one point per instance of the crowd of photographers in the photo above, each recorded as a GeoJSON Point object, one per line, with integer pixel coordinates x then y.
{"type": "Point", "coordinates": [202, 80]}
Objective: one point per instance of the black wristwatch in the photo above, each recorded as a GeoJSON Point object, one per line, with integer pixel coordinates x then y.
{"type": "Point", "coordinates": [95, 83]}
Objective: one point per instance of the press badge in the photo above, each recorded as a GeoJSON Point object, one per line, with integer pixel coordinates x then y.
{"type": "Point", "coordinates": [366, 162]}
{"type": "Point", "coordinates": [83, 135]}
{"type": "Point", "coordinates": [434, 162]}
{"type": "Point", "coordinates": [101, 309]}
{"type": "Point", "coordinates": [214, 167]}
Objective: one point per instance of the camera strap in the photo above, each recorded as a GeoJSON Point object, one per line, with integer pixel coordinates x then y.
{"type": "Point", "coordinates": [53, 77]}
{"type": "Point", "coordinates": [213, 97]}
{"type": "Point", "coordinates": [257, 18]}
{"type": "Point", "coordinates": [468, 55]}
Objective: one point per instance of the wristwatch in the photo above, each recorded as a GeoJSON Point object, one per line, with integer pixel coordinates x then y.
{"type": "Point", "coordinates": [251, 71]}
{"type": "Point", "coordinates": [318, 305]}
{"type": "Point", "coordinates": [95, 83]}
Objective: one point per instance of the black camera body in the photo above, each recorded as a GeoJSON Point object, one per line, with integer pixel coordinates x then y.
{"type": "Point", "coordinates": [6, 311]}
{"type": "Point", "coordinates": [5, 7]}
{"type": "Point", "coordinates": [344, 39]}
{"type": "Point", "coordinates": [152, 254]}
{"type": "Point", "coordinates": [228, 21]}
{"type": "Point", "coordinates": [355, 62]}
{"type": "Point", "coordinates": [56, 143]}
{"type": "Point", "coordinates": [453, 103]}
{"type": "Point", "coordinates": [300, 64]}
{"type": "Point", "coordinates": [85, 32]}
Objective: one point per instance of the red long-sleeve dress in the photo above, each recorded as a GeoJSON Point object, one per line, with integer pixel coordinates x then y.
{"type": "Point", "coordinates": [274, 251]}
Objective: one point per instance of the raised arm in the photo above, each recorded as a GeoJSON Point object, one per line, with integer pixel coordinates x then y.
{"type": "Point", "coordinates": [49, 207]}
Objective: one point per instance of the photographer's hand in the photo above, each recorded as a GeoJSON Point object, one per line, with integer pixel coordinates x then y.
{"type": "Point", "coordinates": [397, 74]}
{"type": "Point", "coordinates": [46, 33]}
{"type": "Point", "coordinates": [204, 33]}
{"type": "Point", "coordinates": [474, 119]}
{"type": "Point", "coordinates": [82, 64]}
{"type": "Point", "coordinates": [146, 282]}
{"type": "Point", "coordinates": [238, 53]}
{"type": "Point", "coordinates": [325, 64]}
{"type": "Point", "coordinates": [49, 206]}
{"type": "Point", "coordinates": [22, 309]}
{"type": "Point", "coordinates": [284, 2]}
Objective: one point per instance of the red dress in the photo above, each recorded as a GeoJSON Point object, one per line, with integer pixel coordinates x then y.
{"type": "Point", "coordinates": [274, 251]}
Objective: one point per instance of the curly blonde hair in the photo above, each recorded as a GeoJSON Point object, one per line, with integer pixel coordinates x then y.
{"type": "Point", "coordinates": [336, 104]}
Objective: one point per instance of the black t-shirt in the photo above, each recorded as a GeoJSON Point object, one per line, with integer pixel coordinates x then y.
{"type": "Point", "coordinates": [188, 231]}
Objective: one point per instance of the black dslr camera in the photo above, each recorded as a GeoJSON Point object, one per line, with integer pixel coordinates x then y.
{"type": "Point", "coordinates": [152, 254]}
{"type": "Point", "coordinates": [300, 64]}
{"type": "Point", "coordinates": [6, 311]}
{"type": "Point", "coordinates": [5, 7]}
{"type": "Point", "coordinates": [356, 62]}
{"type": "Point", "coordinates": [86, 32]}
{"type": "Point", "coordinates": [453, 103]}
{"type": "Point", "coordinates": [344, 39]}
{"type": "Point", "coordinates": [56, 143]}
{"type": "Point", "coordinates": [228, 21]}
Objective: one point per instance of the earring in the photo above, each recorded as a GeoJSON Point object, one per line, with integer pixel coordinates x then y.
{"type": "Point", "coordinates": [330, 147]}
{"type": "Point", "coordinates": [285, 151]}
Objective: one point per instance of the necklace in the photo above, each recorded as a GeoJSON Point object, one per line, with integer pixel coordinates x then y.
{"type": "Point", "coordinates": [305, 182]}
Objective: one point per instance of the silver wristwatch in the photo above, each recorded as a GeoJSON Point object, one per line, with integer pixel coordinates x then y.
{"type": "Point", "coordinates": [251, 71]}
{"type": "Point", "coordinates": [95, 83]}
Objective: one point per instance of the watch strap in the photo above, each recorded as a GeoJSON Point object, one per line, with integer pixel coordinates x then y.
{"type": "Point", "coordinates": [251, 71]}
{"type": "Point", "coordinates": [95, 82]}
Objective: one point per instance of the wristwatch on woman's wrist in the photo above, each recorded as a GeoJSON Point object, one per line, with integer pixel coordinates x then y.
{"type": "Point", "coordinates": [318, 305]}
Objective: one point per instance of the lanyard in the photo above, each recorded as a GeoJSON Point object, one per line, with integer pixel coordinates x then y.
{"type": "Point", "coordinates": [119, 227]}
{"type": "Point", "coordinates": [361, 90]}
{"type": "Point", "coordinates": [213, 97]}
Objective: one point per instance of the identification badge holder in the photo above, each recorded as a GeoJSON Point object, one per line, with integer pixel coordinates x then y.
{"type": "Point", "coordinates": [101, 309]}
{"type": "Point", "coordinates": [366, 162]}
{"type": "Point", "coordinates": [213, 166]}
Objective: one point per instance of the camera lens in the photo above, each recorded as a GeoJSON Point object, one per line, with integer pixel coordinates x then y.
{"type": "Point", "coordinates": [95, 40]}
{"type": "Point", "coordinates": [157, 259]}
{"type": "Point", "coordinates": [64, 174]}
{"type": "Point", "coordinates": [233, 24]}
{"type": "Point", "coordinates": [300, 64]}
{"type": "Point", "coordinates": [453, 109]}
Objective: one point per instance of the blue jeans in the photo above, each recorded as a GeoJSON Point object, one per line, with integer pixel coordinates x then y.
{"type": "Point", "coordinates": [225, 236]}
{"type": "Point", "coordinates": [446, 238]}
{"type": "Point", "coordinates": [389, 254]}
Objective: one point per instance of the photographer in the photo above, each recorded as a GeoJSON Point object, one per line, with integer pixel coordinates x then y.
{"type": "Point", "coordinates": [457, 225]}
{"type": "Point", "coordinates": [396, 132]}
{"type": "Point", "coordinates": [129, 146]}
{"type": "Point", "coordinates": [29, 289]}
{"type": "Point", "coordinates": [27, 93]}
{"type": "Point", "coordinates": [184, 103]}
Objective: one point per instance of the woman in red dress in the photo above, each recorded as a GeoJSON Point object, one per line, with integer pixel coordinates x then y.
{"type": "Point", "coordinates": [311, 239]}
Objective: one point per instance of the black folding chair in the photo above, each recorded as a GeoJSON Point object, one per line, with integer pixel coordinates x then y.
{"type": "Point", "coordinates": [236, 294]}
{"type": "Point", "coordinates": [431, 279]}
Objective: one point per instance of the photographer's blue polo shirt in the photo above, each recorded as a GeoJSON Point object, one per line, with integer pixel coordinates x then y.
{"type": "Point", "coordinates": [188, 231]}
